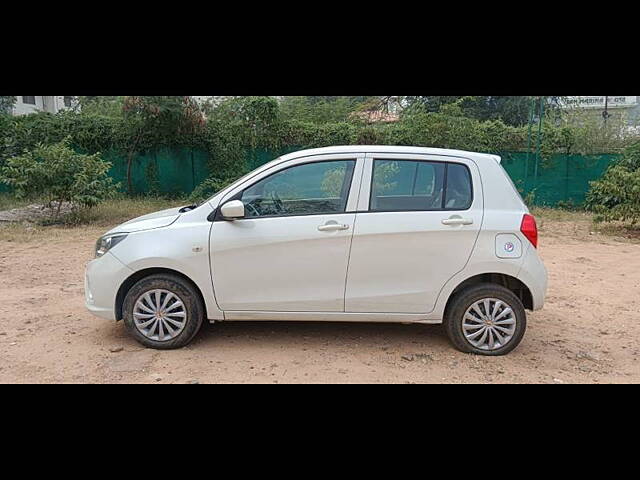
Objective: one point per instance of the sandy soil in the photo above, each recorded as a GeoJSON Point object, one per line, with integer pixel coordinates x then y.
{"type": "Point", "coordinates": [589, 331]}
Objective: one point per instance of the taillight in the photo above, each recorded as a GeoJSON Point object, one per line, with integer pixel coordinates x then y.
{"type": "Point", "coordinates": [529, 229]}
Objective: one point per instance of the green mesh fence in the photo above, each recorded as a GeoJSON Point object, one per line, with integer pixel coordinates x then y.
{"type": "Point", "coordinates": [258, 157]}
{"type": "Point", "coordinates": [166, 171]}
{"type": "Point", "coordinates": [561, 180]}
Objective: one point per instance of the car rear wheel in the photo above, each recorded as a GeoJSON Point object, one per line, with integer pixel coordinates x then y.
{"type": "Point", "coordinates": [163, 311]}
{"type": "Point", "coordinates": [486, 319]}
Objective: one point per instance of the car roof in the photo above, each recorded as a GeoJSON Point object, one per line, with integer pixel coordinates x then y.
{"type": "Point", "coordinates": [387, 149]}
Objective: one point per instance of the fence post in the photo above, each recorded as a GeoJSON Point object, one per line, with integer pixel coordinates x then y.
{"type": "Point", "coordinates": [538, 142]}
{"type": "Point", "coordinates": [526, 165]}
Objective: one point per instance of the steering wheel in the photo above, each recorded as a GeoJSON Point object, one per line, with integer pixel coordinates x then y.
{"type": "Point", "coordinates": [277, 202]}
{"type": "Point", "coordinates": [253, 210]}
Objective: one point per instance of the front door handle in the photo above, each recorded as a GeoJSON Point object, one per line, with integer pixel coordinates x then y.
{"type": "Point", "coordinates": [333, 227]}
{"type": "Point", "coordinates": [457, 221]}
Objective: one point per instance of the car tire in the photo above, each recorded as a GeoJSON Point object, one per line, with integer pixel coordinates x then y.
{"type": "Point", "coordinates": [175, 326]}
{"type": "Point", "coordinates": [466, 320]}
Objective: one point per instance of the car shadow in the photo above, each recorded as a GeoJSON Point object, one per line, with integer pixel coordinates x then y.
{"type": "Point", "coordinates": [318, 333]}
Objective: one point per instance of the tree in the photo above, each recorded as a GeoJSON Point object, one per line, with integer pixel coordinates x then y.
{"type": "Point", "coordinates": [323, 109]}
{"type": "Point", "coordinates": [616, 196]}
{"type": "Point", "coordinates": [59, 174]}
{"type": "Point", "coordinates": [512, 110]}
{"type": "Point", "coordinates": [157, 120]}
{"type": "Point", "coordinates": [6, 104]}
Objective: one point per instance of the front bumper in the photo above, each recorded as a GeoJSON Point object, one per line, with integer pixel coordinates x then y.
{"type": "Point", "coordinates": [102, 279]}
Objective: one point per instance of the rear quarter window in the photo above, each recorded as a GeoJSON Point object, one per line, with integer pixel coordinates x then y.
{"type": "Point", "coordinates": [458, 192]}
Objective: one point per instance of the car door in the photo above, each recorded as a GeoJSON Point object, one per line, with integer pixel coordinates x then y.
{"type": "Point", "coordinates": [290, 252]}
{"type": "Point", "coordinates": [417, 223]}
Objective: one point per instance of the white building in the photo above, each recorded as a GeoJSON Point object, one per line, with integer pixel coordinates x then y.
{"type": "Point", "coordinates": [628, 106]}
{"type": "Point", "coordinates": [26, 105]}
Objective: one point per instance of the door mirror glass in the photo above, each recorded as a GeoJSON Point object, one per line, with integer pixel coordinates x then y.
{"type": "Point", "coordinates": [233, 209]}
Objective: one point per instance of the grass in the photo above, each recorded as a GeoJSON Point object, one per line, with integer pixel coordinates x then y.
{"type": "Point", "coordinates": [8, 202]}
{"type": "Point", "coordinates": [561, 215]}
{"type": "Point", "coordinates": [100, 218]}
{"type": "Point", "coordinates": [120, 210]}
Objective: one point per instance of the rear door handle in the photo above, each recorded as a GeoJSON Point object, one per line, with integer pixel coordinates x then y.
{"type": "Point", "coordinates": [333, 227]}
{"type": "Point", "coordinates": [457, 221]}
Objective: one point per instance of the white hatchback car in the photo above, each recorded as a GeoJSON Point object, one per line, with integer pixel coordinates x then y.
{"type": "Point", "coordinates": [356, 233]}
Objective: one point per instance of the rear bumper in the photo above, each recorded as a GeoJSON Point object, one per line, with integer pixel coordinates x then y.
{"type": "Point", "coordinates": [103, 277]}
{"type": "Point", "coordinates": [534, 275]}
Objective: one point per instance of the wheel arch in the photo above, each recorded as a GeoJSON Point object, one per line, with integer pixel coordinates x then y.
{"type": "Point", "coordinates": [520, 289]}
{"type": "Point", "coordinates": [139, 275]}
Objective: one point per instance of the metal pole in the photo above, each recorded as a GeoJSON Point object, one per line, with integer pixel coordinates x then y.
{"type": "Point", "coordinates": [538, 141]}
{"type": "Point", "coordinates": [605, 114]}
{"type": "Point", "coordinates": [532, 108]}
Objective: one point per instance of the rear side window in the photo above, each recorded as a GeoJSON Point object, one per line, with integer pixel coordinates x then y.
{"type": "Point", "coordinates": [411, 185]}
{"type": "Point", "coordinates": [458, 191]}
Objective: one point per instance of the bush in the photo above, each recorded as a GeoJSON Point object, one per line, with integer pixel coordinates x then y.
{"type": "Point", "coordinates": [616, 196]}
{"type": "Point", "coordinates": [59, 174]}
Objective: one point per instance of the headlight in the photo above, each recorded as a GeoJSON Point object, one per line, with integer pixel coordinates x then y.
{"type": "Point", "coordinates": [106, 243]}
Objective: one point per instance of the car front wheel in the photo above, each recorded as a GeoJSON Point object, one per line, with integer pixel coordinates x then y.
{"type": "Point", "coordinates": [163, 311]}
{"type": "Point", "coordinates": [486, 319]}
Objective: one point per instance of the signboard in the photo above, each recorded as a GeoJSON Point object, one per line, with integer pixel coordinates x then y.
{"type": "Point", "coordinates": [599, 102]}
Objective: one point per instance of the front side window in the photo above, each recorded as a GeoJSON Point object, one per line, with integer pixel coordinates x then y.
{"type": "Point", "coordinates": [409, 185]}
{"type": "Point", "coordinates": [308, 189]}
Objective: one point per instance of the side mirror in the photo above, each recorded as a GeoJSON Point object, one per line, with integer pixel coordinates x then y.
{"type": "Point", "coordinates": [232, 210]}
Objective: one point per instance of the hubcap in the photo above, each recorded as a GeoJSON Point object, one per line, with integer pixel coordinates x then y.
{"type": "Point", "coordinates": [489, 324]}
{"type": "Point", "coordinates": [159, 315]}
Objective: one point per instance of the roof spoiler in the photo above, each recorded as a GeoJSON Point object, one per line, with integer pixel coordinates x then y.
{"type": "Point", "coordinates": [497, 158]}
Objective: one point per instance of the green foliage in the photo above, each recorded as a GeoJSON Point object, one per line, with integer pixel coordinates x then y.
{"type": "Point", "coordinates": [237, 130]}
{"type": "Point", "coordinates": [59, 174]}
{"type": "Point", "coordinates": [616, 196]}
{"type": "Point", "coordinates": [6, 104]}
{"type": "Point", "coordinates": [6, 131]}
{"type": "Point", "coordinates": [91, 133]}
{"type": "Point", "coordinates": [165, 115]}
{"type": "Point", "coordinates": [322, 110]}
{"type": "Point", "coordinates": [530, 198]}
{"type": "Point", "coordinates": [109, 106]}
{"type": "Point", "coordinates": [511, 110]}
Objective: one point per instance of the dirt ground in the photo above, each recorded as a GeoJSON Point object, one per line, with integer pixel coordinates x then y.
{"type": "Point", "coordinates": [588, 332]}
